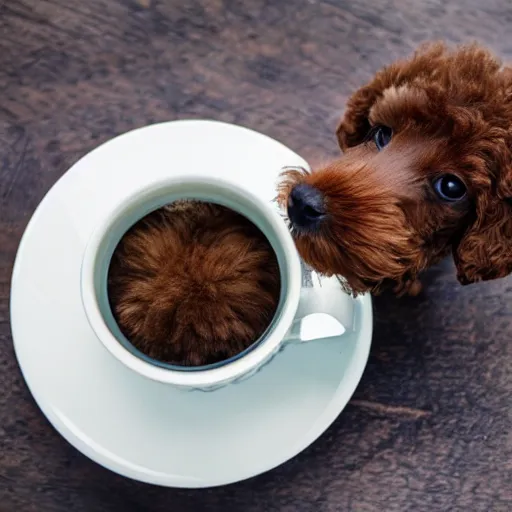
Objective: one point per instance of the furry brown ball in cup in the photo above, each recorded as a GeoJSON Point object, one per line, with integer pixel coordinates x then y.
{"type": "Point", "coordinates": [193, 284]}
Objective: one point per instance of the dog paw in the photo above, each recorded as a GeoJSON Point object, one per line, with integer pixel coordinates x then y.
{"type": "Point", "coordinates": [410, 288]}
{"type": "Point", "coordinates": [414, 288]}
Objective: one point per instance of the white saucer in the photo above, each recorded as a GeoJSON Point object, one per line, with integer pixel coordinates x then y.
{"type": "Point", "coordinates": [136, 427]}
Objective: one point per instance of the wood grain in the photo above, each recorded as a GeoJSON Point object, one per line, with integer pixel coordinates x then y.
{"type": "Point", "coordinates": [429, 428]}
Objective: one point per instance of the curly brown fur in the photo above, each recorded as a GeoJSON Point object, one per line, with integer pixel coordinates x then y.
{"type": "Point", "coordinates": [450, 111]}
{"type": "Point", "coordinates": [193, 284]}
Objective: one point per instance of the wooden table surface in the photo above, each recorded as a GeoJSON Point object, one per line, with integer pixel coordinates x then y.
{"type": "Point", "coordinates": [429, 428]}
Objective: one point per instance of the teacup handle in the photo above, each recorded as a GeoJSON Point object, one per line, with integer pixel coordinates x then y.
{"type": "Point", "coordinates": [337, 305]}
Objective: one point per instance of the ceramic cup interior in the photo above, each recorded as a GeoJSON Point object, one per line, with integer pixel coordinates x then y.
{"type": "Point", "coordinates": [156, 197]}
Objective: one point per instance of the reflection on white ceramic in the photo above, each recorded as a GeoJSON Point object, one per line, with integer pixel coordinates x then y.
{"type": "Point", "coordinates": [143, 428]}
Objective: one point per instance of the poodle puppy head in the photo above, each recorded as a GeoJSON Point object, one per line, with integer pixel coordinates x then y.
{"type": "Point", "coordinates": [426, 171]}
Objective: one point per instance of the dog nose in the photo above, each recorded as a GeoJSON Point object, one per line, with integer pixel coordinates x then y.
{"type": "Point", "coordinates": [306, 207]}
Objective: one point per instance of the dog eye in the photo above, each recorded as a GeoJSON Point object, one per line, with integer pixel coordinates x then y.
{"type": "Point", "coordinates": [382, 136]}
{"type": "Point", "coordinates": [450, 188]}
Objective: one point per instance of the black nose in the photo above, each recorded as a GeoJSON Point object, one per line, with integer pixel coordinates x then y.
{"type": "Point", "coordinates": [306, 206]}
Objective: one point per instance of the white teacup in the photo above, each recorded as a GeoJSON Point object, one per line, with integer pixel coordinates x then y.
{"type": "Point", "coordinates": [303, 293]}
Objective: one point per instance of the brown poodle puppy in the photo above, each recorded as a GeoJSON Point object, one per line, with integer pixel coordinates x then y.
{"type": "Point", "coordinates": [193, 284]}
{"type": "Point", "coordinates": [426, 171]}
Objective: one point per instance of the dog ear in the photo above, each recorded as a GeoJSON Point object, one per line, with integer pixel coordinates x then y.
{"type": "Point", "coordinates": [485, 250]}
{"type": "Point", "coordinates": [355, 126]}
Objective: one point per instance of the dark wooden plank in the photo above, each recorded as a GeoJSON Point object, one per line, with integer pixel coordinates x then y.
{"type": "Point", "coordinates": [429, 427]}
